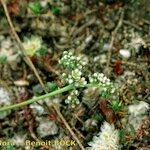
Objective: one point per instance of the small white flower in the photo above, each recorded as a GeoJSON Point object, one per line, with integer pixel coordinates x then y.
{"type": "Point", "coordinates": [80, 67]}
{"type": "Point", "coordinates": [65, 57]}
{"type": "Point", "coordinates": [84, 82]}
{"type": "Point", "coordinates": [78, 58]}
{"type": "Point", "coordinates": [67, 63]}
{"type": "Point", "coordinates": [113, 90]}
{"type": "Point", "coordinates": [95, 74]}
{"type": "Point", "coordinates": [91, 79]}
{"type": "Point", "coordinates": [70, 81]}
{"type": "Point", "coordinates": [67, 101]}
{"type": "Point", "coordinates": [76, 74]}
{"type": "Point", "coordinates": [104, 79]}
{"type": "Point", "coordinates": [105, 89]}
{"type": "Point", "coordinates": [72, 57]}
{"type": "Point", "coordinates": [77, 102]}
{"type": "Point", "coordinates": [64, 74]}
{"type": "Point", "coordinates": [76, 92]}
{"type": "Point", "coordinates": [108, 83]}
{"type": "Point", "coordinates": [101, 75]}
{"type": "Point", "coordinates": [70, 53]}
{"type": "Point", "coordinates": [83, 63]}
{"type": "Point", "coordinates": [73, 105]}
{"type": "Point", "coordinates": [69, 98]}
{"type": "Point", "coordinates": [65, 52]}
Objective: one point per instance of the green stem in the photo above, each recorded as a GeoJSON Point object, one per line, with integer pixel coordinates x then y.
{"type": "Point", "coordinates": [35, 99]}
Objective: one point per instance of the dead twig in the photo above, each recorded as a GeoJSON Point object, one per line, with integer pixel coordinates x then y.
{"type": "Point", "coordinates": [68, 127]}
{"type": "Point", "coordinates": [132, 25]}
{"type": "Point", "coordinates": [113, 36]}
{"type": "Point", "coordinates": [79, 133]}
{"type": "Point", "coordinates": [146, 21]}
{"type": "Point", "coordinates": [26, 58]}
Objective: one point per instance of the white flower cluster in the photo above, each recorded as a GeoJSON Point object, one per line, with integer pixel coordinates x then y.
{"type": "Point", "coordinates": [99, 77]}
{"type": "Point", "coordinates": [76, 78]}
{"type": "Point", "coordinates": [75, 65]}
{"type": "Point", "coordinates": [107, 139]}
{"type": "Point", "coordinates": [103, 82]}
{"type": "Point", "coordinates": [72, 99]}
{"type": "Point", "coordinates": [70, 61]}
{"type": "Point", "coordinates": [32, 45]}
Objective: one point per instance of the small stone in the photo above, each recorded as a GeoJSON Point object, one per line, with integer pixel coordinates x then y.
{"type": "Point", "coordinates": [125, 53]}
{"type": "Point", "coordinates": [88, 39]}
{"type": "Point", "coordinates": [37, 88]}
{"type": "Point", "coordinates": [21, 82]}
{"type": "Point", "coordinates": [106, 46]}
{"type": "Point", "coordinates": [6, 43]}
{"type": "Point", "coordinates": [44, 3]}
{"type": "Point", "coordinates": [5, 100]}
{"type": "Point", "coordinates": [46, 128]}
{"type": "Point", "coordinates": [37, 109]}
{"type": "Point", "coordinates": [90, 124]}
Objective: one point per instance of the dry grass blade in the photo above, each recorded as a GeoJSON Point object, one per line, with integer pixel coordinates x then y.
{"type": "Point", "coordinates": [69, 129]}
{"type": "Point", "coordinates": [113, 37]}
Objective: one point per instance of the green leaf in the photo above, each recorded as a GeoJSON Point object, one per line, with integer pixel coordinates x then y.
{"type": "Point", "coordinates": [97, 116]}
{"type": "Point", "coordinates": [56, 10]}
{"type": "Point", "coordinates": [8, 147]}
{"type": "Point", "coordinates": [132, 130]}
{"type": "Point", "coordinates": [3, 59]}
{"type": "Point", "coordinates": [115, 105]}
{"type": "Point", "coordinates": [52, 86]}
{"type": "Point", "coordinates": [35, 7]}
{"type": "Point", "coordinates": [41, 52]}
{"type": "Point", "coordinates": [121, 133]}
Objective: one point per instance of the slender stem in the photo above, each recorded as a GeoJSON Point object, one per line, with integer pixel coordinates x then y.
{"type": "Point", "coordinates": [35, 99]}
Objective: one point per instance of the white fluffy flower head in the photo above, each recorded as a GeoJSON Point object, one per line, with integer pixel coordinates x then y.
{"type": "Point", "coordinates": [32, 45]}
{"type": "Point", "coordinates": [107, 139]}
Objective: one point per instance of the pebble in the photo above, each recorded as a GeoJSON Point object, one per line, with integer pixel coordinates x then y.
{"type": "Point", "coordinates": [44, 3]}
{"type": "Point", "coordinates": [6, 43]}
{"type": "Point", "coordinates": [106, 46]}
{"type": "Point", "coordinates": [125, 53]}
{"type": "Point", "coordinates": [21, 82]}
{"type": "Point", "coordinates": [88, 39]}
{"type": "Point", "coordinates": [46, 128]}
